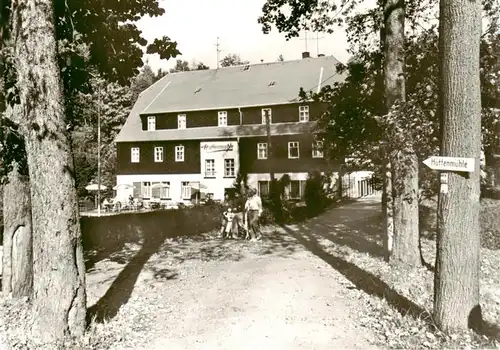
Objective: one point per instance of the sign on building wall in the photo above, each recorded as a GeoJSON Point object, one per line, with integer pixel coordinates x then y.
{"type": "Point", "coordinates": [213, 147]}
{"type": "Point", "coordinates": [219, 165]}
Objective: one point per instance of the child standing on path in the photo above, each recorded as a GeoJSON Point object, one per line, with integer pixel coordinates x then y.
{"type": "Point", "coordinates": [227, 204]}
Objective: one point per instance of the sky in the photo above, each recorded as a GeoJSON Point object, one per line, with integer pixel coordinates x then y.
{"type": "Point", "coordinates": [196, 24]}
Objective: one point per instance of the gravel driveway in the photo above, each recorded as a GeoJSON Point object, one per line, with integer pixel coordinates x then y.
{"type": "Point", "coordinates": [204, 293]}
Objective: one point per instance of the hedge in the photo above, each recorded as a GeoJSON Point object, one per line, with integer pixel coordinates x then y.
{"type": "Point", "coordinates": [110, 233]}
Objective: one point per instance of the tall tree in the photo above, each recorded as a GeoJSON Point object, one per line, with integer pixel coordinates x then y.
{"type": "Point", "coordinates": [388, 15]}
{"type": "Point", "coordinates": [232, 59]}
{"type": "Point", "coordinates": [180, 66]}
{"type": "Point", "coordinates": [456, 294]}
{"type": "Point", "coordinates": [89, 37]}
{"type": "Point", "coordinates": [402, 160]}
{"type": "Point", "coordinates": [199, 66]}
{"type": "Point", "coordinates": [140, 82]}
{"type": "Point", "coordinates": [58, 265]}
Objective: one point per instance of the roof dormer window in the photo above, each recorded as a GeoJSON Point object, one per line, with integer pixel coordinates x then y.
{"type": "Point", "coordinates": [181, 121]}
{"type": "Point", "coordinates": [151, 123]}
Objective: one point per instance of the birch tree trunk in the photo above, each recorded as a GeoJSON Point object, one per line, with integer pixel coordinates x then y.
{"type": "Point", "coordinates": [403, 164]}
{"type": "Point", "coordinates": [456, 285]}
{"type": "Point", "coordinates": [59, 301]}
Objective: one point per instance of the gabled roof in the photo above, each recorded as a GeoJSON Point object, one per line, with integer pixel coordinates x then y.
{"type": "Point", "coordinates": [263, 84]}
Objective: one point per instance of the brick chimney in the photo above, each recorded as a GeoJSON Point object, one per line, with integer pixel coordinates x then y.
{"type": "Point", "coordinates": [306, 54]}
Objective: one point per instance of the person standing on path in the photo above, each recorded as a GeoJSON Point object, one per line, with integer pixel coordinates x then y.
{"type": "Point", "coordinates": [253, 211]}
{"type": "Point", "coordinates": [226, 205]}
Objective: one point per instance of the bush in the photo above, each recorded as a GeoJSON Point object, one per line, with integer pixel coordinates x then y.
{"type": "Point", "coordinates": [315, 195]}
{"type": "Point", "coordinates": [267, 217]}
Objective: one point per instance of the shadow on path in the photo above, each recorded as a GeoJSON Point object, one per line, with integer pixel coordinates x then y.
{"type": "Point", "coordinates": [359, 226]}
{"type": "Point", "coordinates": [193, 245]}
{"type": "Point", "coordinates": [153, 229]}
{"type": "Point", "coordinates": [121, 289]}
{"type": "Point", "coordinates": [363, 280]}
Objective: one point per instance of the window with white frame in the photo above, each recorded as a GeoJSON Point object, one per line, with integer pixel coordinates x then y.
{"type": "Point", "coordinates": [158, 154]}
{"type": "Point", "coordinates": [293, 149]}
{"type": "Point", "coordinates": [209, 167]}
{"type": "Point", "coordinates": [317, 149]}
{"type": "Point", "coordinates": [262, 150]}
{"type": "Point", "coordinates": [134, 155]}
{"type": "Point", "coordinates": [181, 121]}
{"type": "Point", "coordinates": [179, 153]}
{"type": "Point", "coordinates": [296, 189]}
{"type": "Point", "coordinates": [151, 123]}
{"type": "Point", "coordinates": [229, 169]}
{"type": "Point", "coordinates": [185, 190]}
{"type": "Point", "coordinates": [165, 190]}
{"type": "Point", "coordinates": [146, 190]}
{"type": "Point", "coordinates": [222, 118]}
{"type": "Point", "coordinates": [155, 189]}
{"type": "Point", "coordinates": [303, 113]}
{"type": "Point", "coordinates": [267, 112]}
{"type": "Point", "coordinates": [263, 188]}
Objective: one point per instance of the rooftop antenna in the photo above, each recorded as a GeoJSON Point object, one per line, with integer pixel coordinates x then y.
{"type": "Point", "coordinates": [217, 46]}
{"type": "Point", "coordinates": [317, 42]}
{"type": "Point", "coordinates": [305, 38]}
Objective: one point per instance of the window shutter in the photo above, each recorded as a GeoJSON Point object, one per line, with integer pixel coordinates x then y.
{"type": "Point", "coordinates": [137, 189]}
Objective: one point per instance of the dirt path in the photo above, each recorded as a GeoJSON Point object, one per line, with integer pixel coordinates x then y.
{"type": "Point", "coordinates": [204, 293]}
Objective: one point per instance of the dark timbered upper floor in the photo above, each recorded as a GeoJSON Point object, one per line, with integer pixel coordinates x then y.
{"type": "Point", "coordinates": [284, 113]}
{"type": "Point", "coordinates": [287, 153]}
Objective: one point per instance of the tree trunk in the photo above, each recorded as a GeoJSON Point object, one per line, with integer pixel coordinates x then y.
{"type": "Point", "coordinates": [403, 163]}
{"type": "Point", "coordinates": [17, 260]}
{"type": "Point", "coordinates": [405, 248]}
{"type": "Point", "coordinates": [17, 276]}
{"type": "Point", "coordinates": [340, 183]}
{"type": "Point", "coordinates": [59, 301]}
{"type": "Point", "coordinates": [456, 285]}
{"type": "Point", "coordinates": [387, 203]}
{"type": "Point", "coordinates": [387, 208]}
